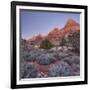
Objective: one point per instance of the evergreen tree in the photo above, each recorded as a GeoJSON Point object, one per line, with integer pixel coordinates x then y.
{"type": "Point", "coordinates": [46, 44]}
{"type": "Point", "coordinates": [75, 40]}
{"type": "Point", "coordinates": [62, 42]}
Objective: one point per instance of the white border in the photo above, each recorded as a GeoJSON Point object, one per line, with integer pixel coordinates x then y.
{"type": "Point", "coordinates": [56, 79]}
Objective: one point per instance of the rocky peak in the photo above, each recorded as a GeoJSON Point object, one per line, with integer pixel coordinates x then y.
{"type": "Point", "coordinates": [71, 23]}
{"type": "Point", "coordinates": [36, 39]}
{"type": "Point", "coordinates": [56, 34]}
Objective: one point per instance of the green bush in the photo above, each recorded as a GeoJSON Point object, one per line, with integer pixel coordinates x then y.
{"type": "Point", "coordinates": [63, 41]}
{"type": "Point", "coordinates": [46, 44]}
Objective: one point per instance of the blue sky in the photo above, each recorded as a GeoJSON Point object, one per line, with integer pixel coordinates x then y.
{"type": "Point", "coordinates": [39, 22]}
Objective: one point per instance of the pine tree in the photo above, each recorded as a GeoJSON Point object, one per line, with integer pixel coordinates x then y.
{"type": "Point", "coordinates": [75, 40]}
{"type": "Point", "coordinates": [46, 44]}
{"type": "Point", "coordinates": [62, 42]}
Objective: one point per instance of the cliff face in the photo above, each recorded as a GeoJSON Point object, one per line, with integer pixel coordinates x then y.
{"type": "Point", "coordinates": [36, 40]}
{"type": "Point", "coordinates": [71, 26]}
{"type": "Point", "coordinates": [56, 34]}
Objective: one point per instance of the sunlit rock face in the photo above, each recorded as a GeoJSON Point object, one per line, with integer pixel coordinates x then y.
{"type": "Point", "coordinates": [56, 34]}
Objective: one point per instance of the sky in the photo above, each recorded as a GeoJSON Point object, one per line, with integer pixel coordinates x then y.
{"type": "Point", "coordinates": [41, 22]}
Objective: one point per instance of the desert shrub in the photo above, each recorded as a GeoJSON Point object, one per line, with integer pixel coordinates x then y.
{"type": "Point", "coordinates": [75, 69]}
{"type": "Point", "coordinates": [32, 55]}
{"type": "Point", "coordinates": [61, 55]}
{"type": "Point", "coordinates": [68, 60]}
{"type": "Point", "coordinates": [46, 44]}
{"type": "Point", "coordinates": [45, 59]}
{"type": "Point", "coordinates": [60, 69]}
{"type": "Point", "coordinates": [22, 65]}
{"type": "Point", "coordinates": [74, 40]}
{"type": "Point", "coordinates": [76, 59]}
{"type": "Point", "coordinates": [23, 54]}
{"type": "Point", "coordinates": [28, 71]}
{"type": "Point", "coordinates": [72, 60]}
{"type": "Point", "coordinates": [55, 54]}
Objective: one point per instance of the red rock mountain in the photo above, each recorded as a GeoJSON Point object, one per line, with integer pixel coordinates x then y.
{"type": "Point", "coordinates": [36, 40]}
{"type": "Point", "coordinates": [70, 23]}
{"type": "Point", "coordinates": [70, 27]}
{"type": "Point", "coordinates": [56, 34]}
